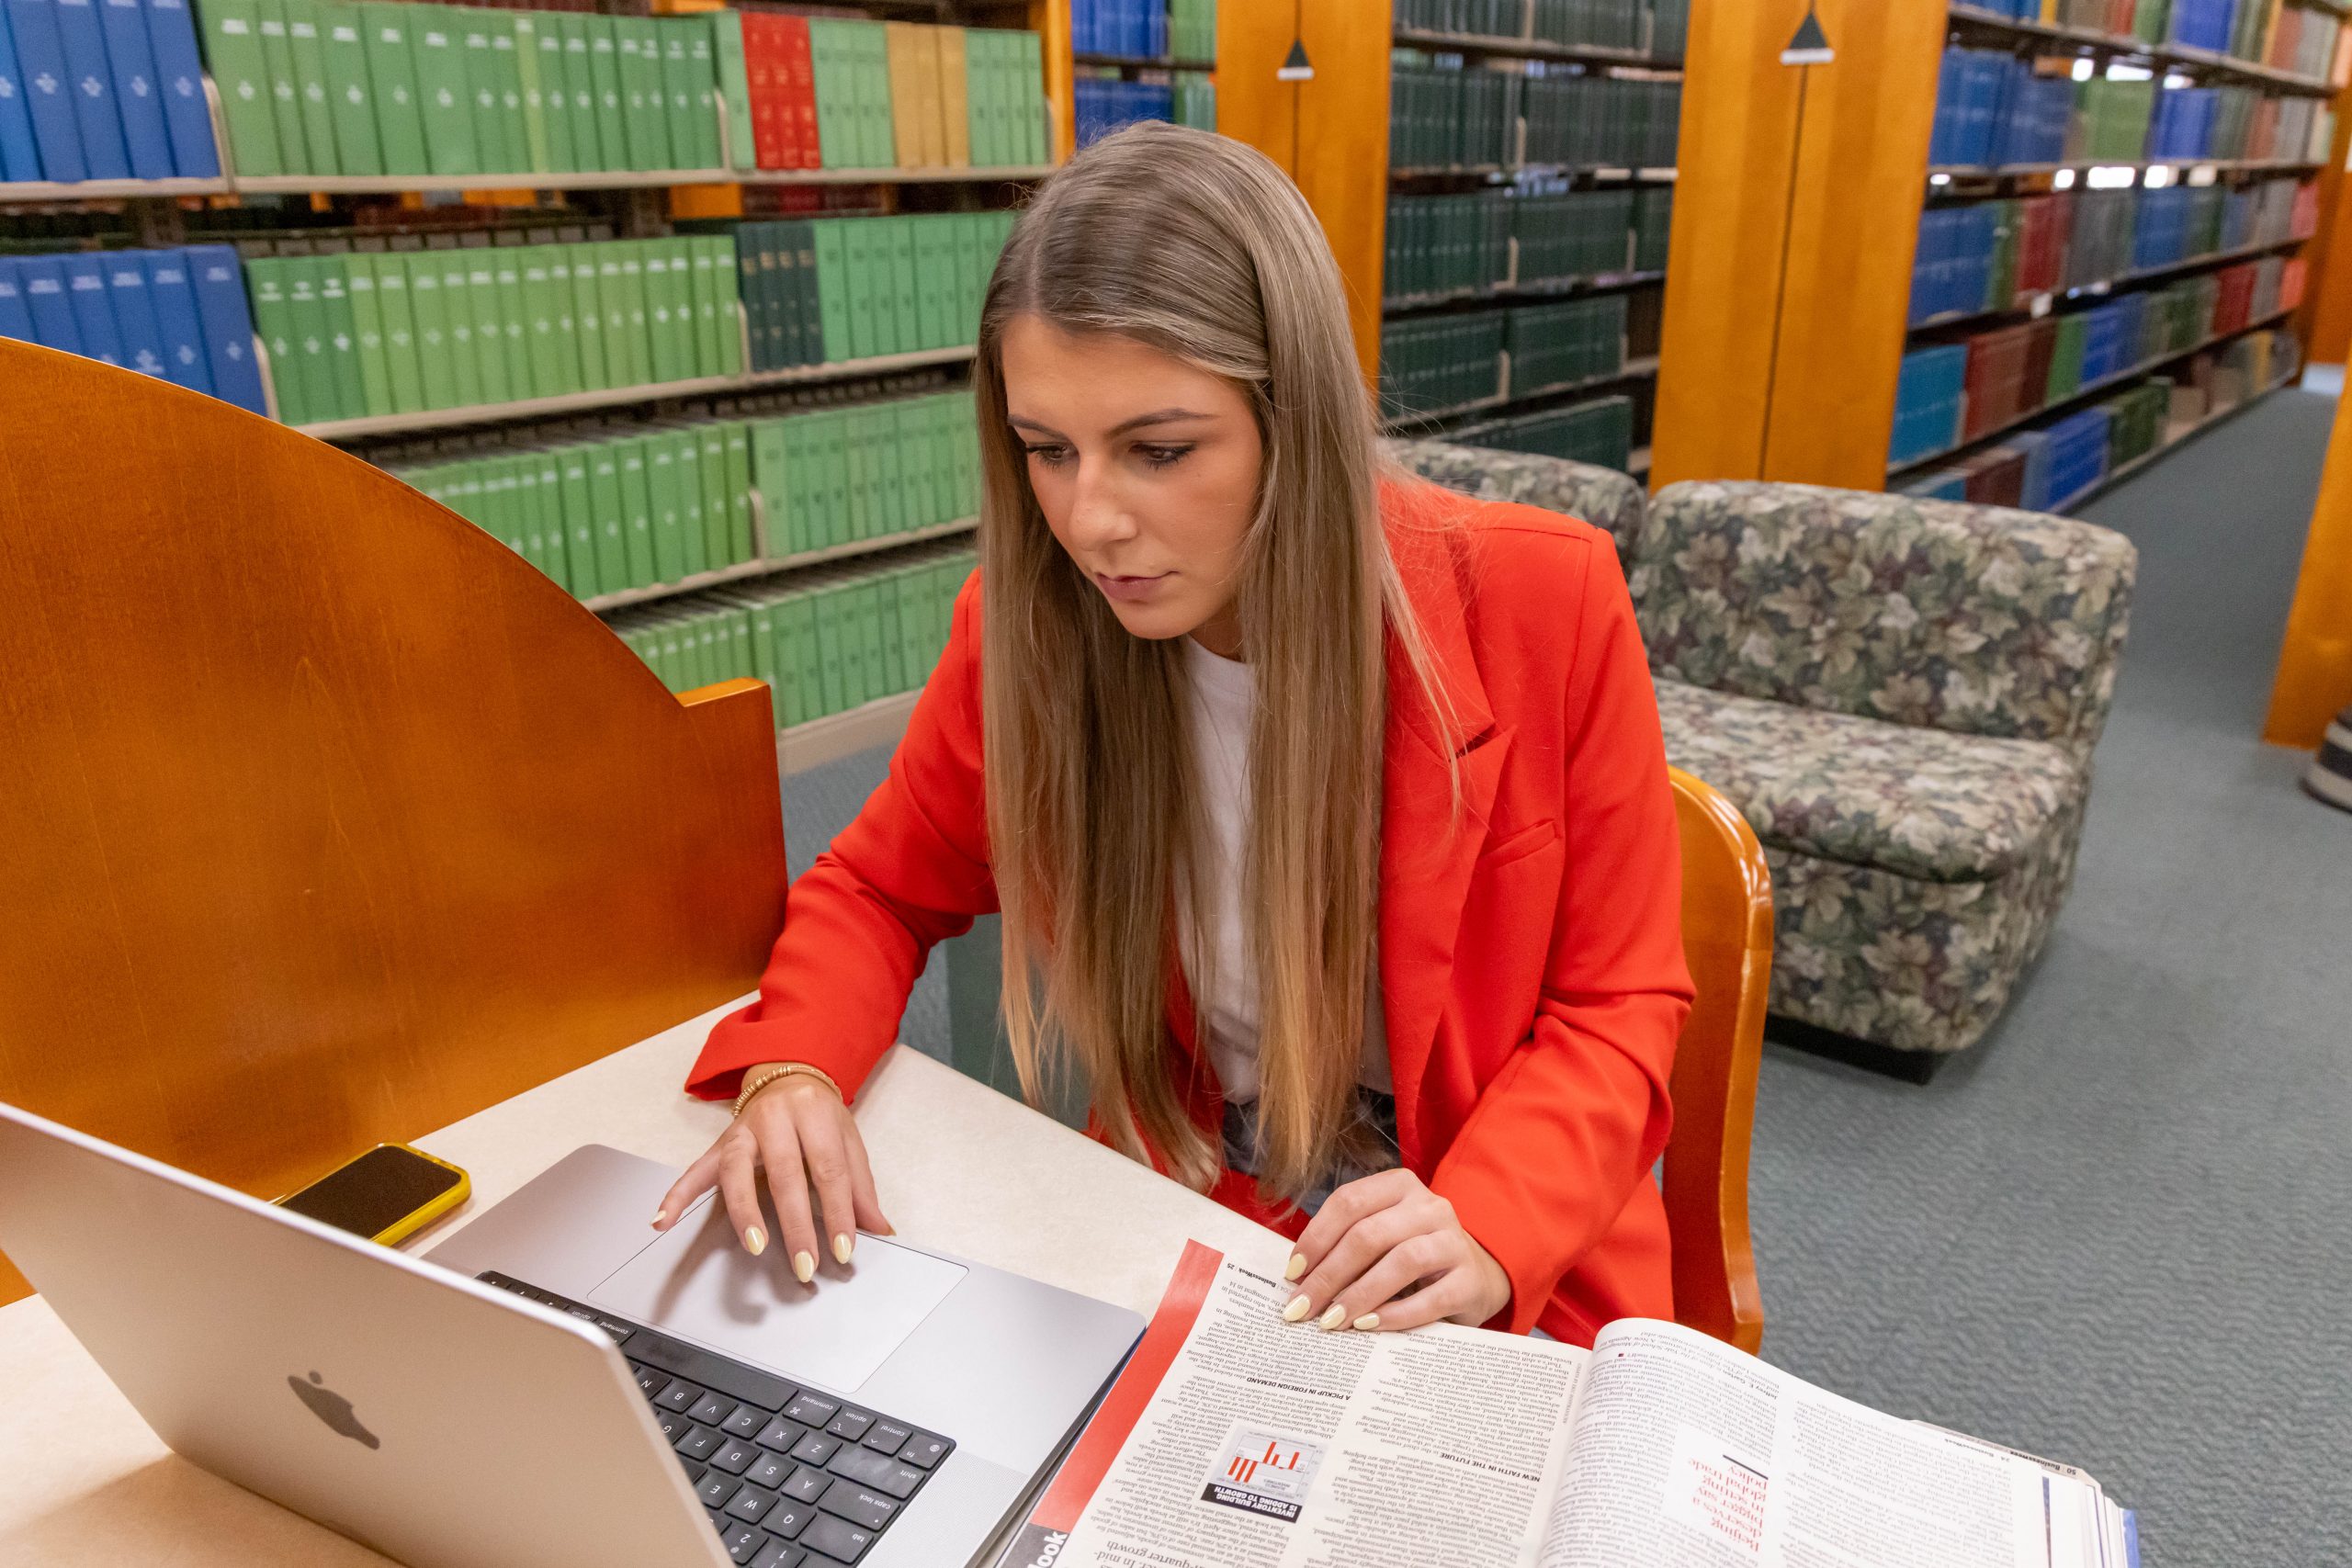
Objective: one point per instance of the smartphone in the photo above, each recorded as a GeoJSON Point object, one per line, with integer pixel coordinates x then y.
{"type": "Point", "coordinates": [387, 1194]}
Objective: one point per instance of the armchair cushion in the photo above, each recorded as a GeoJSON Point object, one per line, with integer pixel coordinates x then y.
{"type": "Point", "coordinates": [1979, 620]}
{"type": "Point", "coordinates": [1917, 803]}
{"type": "Point", "coordinates": [1602, 497]}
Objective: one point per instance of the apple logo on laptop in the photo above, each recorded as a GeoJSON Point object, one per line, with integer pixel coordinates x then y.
{"type": "Point", "coordinates": [333, 1408]}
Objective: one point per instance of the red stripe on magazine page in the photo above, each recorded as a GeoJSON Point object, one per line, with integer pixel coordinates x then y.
{"type": "Point", "coordinates": [1090, 1459]}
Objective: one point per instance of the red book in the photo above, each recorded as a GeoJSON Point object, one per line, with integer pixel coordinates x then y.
{"type": "Point", "coordinates": [2234, 299]}
{"type": "Point", "coordinates": [2291, 283]}
{"type": "Point", "coordinates": [2305, 222]}
{"type": "Point", "coordinates": [799, 76]}
{"type": "Point", "coordinates": [771, 130]}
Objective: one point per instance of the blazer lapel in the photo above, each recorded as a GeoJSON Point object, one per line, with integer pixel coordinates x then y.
{"type": "Point", "coordinates": [1427, 848]}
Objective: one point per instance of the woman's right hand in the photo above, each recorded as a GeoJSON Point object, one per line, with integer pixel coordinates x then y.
{"type": "Point", "coordinates": [800, 1133]}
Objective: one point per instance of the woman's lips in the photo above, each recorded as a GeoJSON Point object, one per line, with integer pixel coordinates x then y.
{"type": "Point", "coordinates": [1132, 590]}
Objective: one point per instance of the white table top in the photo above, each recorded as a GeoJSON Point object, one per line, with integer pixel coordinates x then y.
{"type": "Point", "coordinates": [959, 1167]}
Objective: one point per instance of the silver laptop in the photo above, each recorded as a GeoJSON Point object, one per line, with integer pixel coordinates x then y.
{"type": "Point", "coordinates": [558, 1383]}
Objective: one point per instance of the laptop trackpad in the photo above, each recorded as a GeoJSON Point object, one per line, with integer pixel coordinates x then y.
{"type": "Point", "coordinates": [697, 1282]}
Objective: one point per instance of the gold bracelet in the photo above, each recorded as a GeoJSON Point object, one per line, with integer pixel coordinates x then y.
{"type": "Point", "coordinates": [759, 1081]}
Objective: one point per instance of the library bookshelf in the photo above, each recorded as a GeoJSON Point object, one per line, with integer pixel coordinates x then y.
{"type": "Point", "coordinates": [325, 213]}
{"type": "Point", "coordinates": [1814, 285]}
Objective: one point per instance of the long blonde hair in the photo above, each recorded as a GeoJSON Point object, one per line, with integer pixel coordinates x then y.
{"type": "Point", "coordinates": [1200, 248]}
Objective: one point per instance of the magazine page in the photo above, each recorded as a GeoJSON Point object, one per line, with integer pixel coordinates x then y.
{"type": "Point", "coordinates": [1234, 1439]}
{"type": "Point", "coordinates": [1687, 1452]}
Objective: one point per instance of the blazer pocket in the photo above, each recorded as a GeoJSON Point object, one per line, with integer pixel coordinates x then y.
{"type": "Point", "coordinates": [1518, 847]}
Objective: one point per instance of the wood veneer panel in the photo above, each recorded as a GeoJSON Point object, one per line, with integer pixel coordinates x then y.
{"type": "Point", "coordinates": [331, 820]}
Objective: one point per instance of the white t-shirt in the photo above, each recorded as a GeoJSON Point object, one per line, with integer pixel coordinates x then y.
{"type": "Point", "coordinates": [1224, 701]}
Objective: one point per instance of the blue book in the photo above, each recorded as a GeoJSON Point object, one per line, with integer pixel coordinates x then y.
{"type": "Point", "coordinates": [135, 88]}
{"type": "Point", "coordinates": [85, 291]}
{"type": "Point", "coordinates": [171, 293]}
{"type": "Point", "coordinates": [19, 153]}
{"type": "Point", "coordinates": [16, 317]}
{"type": "Point", "coordinates": [43, 281]}
{"type": "Point", "coordinates": [171, 35]}
{"type": "Point", "coordinates": [228, 324]}
{"type": "Point", "coordinates": [95, 112]}
{"type": "Point", "coordinates": [1155, 15]}
{"type": "Point", "coordinates": [134, 318]}
{"type": "Point", "coordinates": [40, 64]}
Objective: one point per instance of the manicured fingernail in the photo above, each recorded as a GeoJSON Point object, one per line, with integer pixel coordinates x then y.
{"type": "Point", "coordinates": [1297, 1266]}
{"type": "Point", "coordinates": [1297, 1308]}
{"type": "Point", "coordinates": [1333, 1315]}
{"type": "Point", "coordinates": [756, 1240]}
{"type": "Point", "coordinates": [804, 1268]}
{"type": "Point", "coordinates": [661, 1217]}
{"type": "Point", "coordinates": [1369, 1320]}
{"type": "Point", "coordinates": [841, 1244]}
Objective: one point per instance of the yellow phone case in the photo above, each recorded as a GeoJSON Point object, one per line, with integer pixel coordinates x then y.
{"type": "Point", "coordinates": [425, 1214]}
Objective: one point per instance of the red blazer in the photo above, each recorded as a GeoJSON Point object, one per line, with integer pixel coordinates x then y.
{"type": "Point", "coordinates": [1531, 960]}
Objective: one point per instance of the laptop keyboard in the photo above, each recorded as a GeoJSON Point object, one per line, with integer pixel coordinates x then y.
{"type": "Point", "coordinates": [789, 1477]}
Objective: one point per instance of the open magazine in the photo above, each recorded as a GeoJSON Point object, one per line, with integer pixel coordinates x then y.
{"type": "Point", "coordinates": [1234, 1439]}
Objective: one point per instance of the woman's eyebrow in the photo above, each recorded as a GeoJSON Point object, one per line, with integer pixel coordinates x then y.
{"type": "Point", "coordinates": [1162, 416]}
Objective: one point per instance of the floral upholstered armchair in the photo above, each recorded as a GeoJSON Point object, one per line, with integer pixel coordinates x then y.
{"type": "Point", "coordinates": [1901, 696]}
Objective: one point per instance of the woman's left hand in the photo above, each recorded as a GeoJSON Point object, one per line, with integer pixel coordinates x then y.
{"type": "Point", "coordinates": [1376, 1238]}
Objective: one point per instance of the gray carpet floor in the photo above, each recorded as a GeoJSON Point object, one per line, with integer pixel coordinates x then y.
{"type": "Point", "coordinates": [2115, 1232]}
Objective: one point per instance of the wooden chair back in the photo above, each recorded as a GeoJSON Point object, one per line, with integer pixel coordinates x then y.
{"type": "Point", "coordinates": [330, 819]}
{"type": "Point", "coordinates": [1727, 938]}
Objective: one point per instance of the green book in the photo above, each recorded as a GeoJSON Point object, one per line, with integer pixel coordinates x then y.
{"type": "Point", "coordinates": [1030, 98]}
{"type": "Point", "coordinates": [861, 519]}
{"type": "Point", "coordinates": [391, 71]}
{"type": "Point", "coordinates": [588, 317]}
{"type": "Point", "coordinates": [273, 324]}
{"type": "Point", "coordinates": [514, 322]}
{"type": "Point", "coordinates": [542, 315]}
{"type": "Point", "coordinates": [772, 472]}
{"type": "Point", "coordinates": [757, 286]}
{"type": "Point", "coordinates": [367, 333]}
{"type": "Point", "coordinates": [444, 96]}
{"type": "Point", "coordinates": [870, 288]}
{"type": "Point", "coordinates": [551, 79]}
{"type": "Point", "coordinates": [489, 323]}
{"type": "Point", "coordinates": [506, 64]}
{"type": "Point", "coordinates": [636, 338]}
{"type": "Point", "coordinates": [518, 484]}
{"type": "Point", "coordinates": [435, 357]}
{"type": "Point", "coordinates": [491, 152]}
{"type": "Point", "coordinates": [830, 669]}
{"type": "Point", "coordinates": [743, 540]}
{"type": "Point", "coordinates": [575, 503]}
{"type": "Point", "coordinates": [880, 125]}
{"type": "Point", "coordinates": [620, 367]}
{"type": "Point", "coordinates": [682, 97]}
{"type": "Point", "coordinates": [662, 342]}
{"type": "Point", "coordinates": [636, 512]}
{"type": "Point", "coordinates": [685, 325]}
{"type": "Point", "coordinates": [303, 33]}
{"type": "Point", "coordinates": [727, 302]}
{"type": "Point", "coordinates": [458, 310]}
{"type": "Point", "coordinates": [829, 54]}
{"type": "Point", "coordinates": [536, 155]}
{"type": "Point", "coordinates": [321, 394]}
{"type": "Point", "coordinates": [908, 332]}
{"type": "Point", "coordinates": [644, 113]}
{"type": "Point", "coordinates": [981, 57]}
{"type": "Point", "coordinates": [734, 84]}
{"type": "Point", "coordinates": [392, 306]}
{"type": "Point", "coordinates": [934, 239]}
{"type": "Point", "coordinates": [351, 95]}
{"type": "Point", "coordinates": [285, 89]}
{"type": "Point", "coordinates": [232, 52]}
{"type": "Point", "coordinates": [727, 549]}
{"type": "Point", "coordinates": [577, 576]}
{"type": "Point", "coordinates": [342, 337]}
{"type": "Point", "coordinates": [562, 304]}
{"type": "Point", "coordinates": [605, 83]}
{"type": "Point", "coordinates": [692, 528]}
{"type": "Point", "coordinates": [612, 517]}
{"type": "Point", "coordinates": [704, 266]}
{"type": "Point", "coordinates": [893, 659]}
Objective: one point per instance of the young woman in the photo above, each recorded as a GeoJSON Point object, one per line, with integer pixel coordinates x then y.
{"type": "Point", "coordinates": [1329, 810]}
